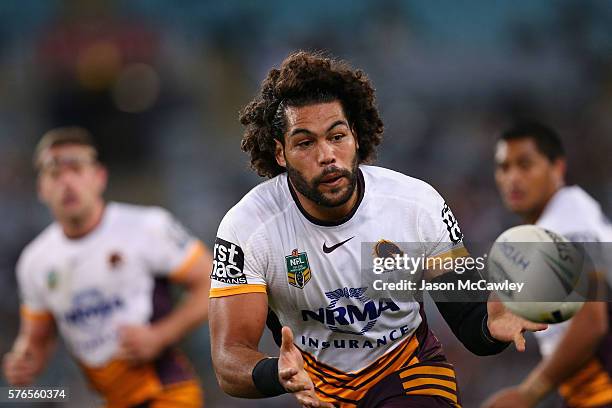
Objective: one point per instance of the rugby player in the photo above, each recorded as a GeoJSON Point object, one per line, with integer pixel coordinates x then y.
{"type": "Point", "coordinates": [530, 175]}
{"type": "Point", "coordinates": [101, 274]}
{"type": "Point", "coordinates": [289, 255]}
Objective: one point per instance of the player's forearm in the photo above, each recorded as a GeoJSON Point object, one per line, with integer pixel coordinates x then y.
{"type": "Point", "coordinates": [47, 351]}
{"type": "Point", "coordinates": [234, 369]}
{"type": "Point", "coordinates": [190, 313]}
{"type": "Point", "coordinates": [576, 348]}
{"type": "Point", "coordinates": [467, 317]}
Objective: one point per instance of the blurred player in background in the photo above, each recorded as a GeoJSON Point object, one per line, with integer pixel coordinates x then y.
{"type": "Point", "coordinates": [101, 274]}
{"type": "Point", "coordinates": [289, 254]}
{"type": "Point", "coordinates": [577, 354]}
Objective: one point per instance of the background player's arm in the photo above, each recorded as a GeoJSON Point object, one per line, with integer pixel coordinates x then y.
{"type": "Point", "coordinates": [33, 346]}
{"type": "Point", "coordinates": [576, 348]}
{"type": "Point", "coordinates": [193, 310]}
{"type": "Point", "coordinates": [143, 343]}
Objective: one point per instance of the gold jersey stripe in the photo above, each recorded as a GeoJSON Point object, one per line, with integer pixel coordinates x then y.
{"type": "Point", "coordinates": [428, 370]}
{"type": "Point", "coordinates": [238, 290]}
{"type": "Point", "coordinates": [35, 315]}
{"type": "Point", "coordinates": [427, 381]}
{"type": "Point", "coordinates": [195, 252]}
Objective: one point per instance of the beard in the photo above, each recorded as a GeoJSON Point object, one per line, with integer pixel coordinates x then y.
{"type": "Point", "coordinates": [311, 190]}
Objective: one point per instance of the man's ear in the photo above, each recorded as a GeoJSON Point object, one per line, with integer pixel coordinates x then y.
{"type": "Point", "coordinates": [103, 177]}
{"type": "Point", "coordinates": [39, 190]}
{"type": "Point", "coordinates": [560, 168]}
{"type": "Point", "coordinates": [279, 154]}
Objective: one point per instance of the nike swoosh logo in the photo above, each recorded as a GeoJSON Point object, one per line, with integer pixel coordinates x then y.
{"type": "Point", "coordinates": [327, 249]}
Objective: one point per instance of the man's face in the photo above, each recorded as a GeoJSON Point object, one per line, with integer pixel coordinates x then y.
{"type": "Point", "coordinates": [70, 181]}
{"type": "Point", "coordinates": [526, 179]}
{"type": "Point", "coordinates": [320, 153]}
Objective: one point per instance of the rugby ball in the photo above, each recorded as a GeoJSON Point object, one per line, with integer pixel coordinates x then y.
{"type": "Point", "coordinates": [548, 266]}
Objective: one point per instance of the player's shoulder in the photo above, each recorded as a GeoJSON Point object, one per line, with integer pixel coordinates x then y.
{"type": "Point", "coordinates": [392, 184]}
{"type": "Point", "coordinates": [36, 251]}
{"type": "Point", "coordinates": [261, 204]}
{"type": "Point", "coordinates": [573, 211]}
{"type": "Point", "coordinates": [135, 215]}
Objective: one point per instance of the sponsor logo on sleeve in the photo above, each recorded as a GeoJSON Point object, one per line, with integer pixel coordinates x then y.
{"type": "Point", "coordinates": [452, 225]}
{"type": "Point", "coordinates": [228, 263]}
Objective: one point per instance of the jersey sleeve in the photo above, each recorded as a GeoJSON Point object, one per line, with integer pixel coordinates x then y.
{"type": "Point", "coordinates": [439, 229]}
{"type": "Point", "coordinates": [171, 250]}
{"type": "Point", "coordinates": [33, 304]}
{"type": "Point", "coordinates": [239, 261]}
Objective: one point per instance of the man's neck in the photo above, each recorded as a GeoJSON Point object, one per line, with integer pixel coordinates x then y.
{"type": "Point", "coordinates": [79, 227]}
{"type": "Point", "coordinates": [533, 216]}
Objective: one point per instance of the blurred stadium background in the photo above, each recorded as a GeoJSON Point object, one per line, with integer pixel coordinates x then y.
{"type": "Point", "coordinates": [160, 83]}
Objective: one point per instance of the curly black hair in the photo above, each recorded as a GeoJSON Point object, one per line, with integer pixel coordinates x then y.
{"type": "Point", "coordinates": [305, 78]}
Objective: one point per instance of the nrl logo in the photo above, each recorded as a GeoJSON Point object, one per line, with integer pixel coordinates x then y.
{"type": "Point", "coordinates": [52, 280]}
{"type": "Point", "coordinates": [298, 269]}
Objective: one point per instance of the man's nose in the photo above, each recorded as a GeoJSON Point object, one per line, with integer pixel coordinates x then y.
{"type": "Point", "coordinates": [512, 176]}
{"type": "Point", "coordinates": [66, 177]}
{"type": "Point", "coordinates": [326, 153]}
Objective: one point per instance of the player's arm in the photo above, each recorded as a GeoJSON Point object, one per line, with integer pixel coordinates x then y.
{"type": "Point", "coordinates": [33, 346]}
{"type": "Point", "coordinates": [193, 310]}
{"type": "Point", "coordinates": [577, 346]}
{"type": "Point", "coordinates": [467, 318]}
{"type": "Point", "coordinates": [236, 326]}
{"type": "Point", "coordinates": [142, 343]}
{"type": "Point", "coordinates": [484, 327]}
{"type": "Point", "coordinates": [482, 324]}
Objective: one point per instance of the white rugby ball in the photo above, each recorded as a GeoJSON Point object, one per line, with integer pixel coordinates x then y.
{"type": "Point", "coordinates": [549, 266]}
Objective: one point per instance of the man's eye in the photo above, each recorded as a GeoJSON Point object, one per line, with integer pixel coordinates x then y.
{"type": "Point", "coordinates": [503, 167]}
{"type": "Point", "coordinates": [524, 165]}
{"type": "Point", "coordinates": [305, 143]}
{"type": "Point", "coordinates": [338, 137]}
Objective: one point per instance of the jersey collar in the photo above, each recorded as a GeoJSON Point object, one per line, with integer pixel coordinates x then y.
{"type": "Point", "coordinates": [316, 221]}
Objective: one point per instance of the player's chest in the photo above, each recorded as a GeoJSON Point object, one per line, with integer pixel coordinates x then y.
{"type": "Point", "coordinates": [308, 264]}
{"type": "Point", "coordinates": [107, 269]}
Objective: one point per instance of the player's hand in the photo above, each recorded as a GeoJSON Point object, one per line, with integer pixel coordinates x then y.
{"type": "Point", "coordinates": [139, 343]}
{"type": "Point", "coordinates": [506, 326]}
{"type": "Point", "coordinates": [292, 375]}
{"type": "Point", "coordinates": [19, 367]}
{"type": "Point", "coordinates": [508, 398]}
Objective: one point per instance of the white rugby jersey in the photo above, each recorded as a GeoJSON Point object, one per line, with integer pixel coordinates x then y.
{"type": "Point", "coordinates": [94, 284]}
{"type": "Point", "coordinates": [573, 213]}
{"type": "Point", "coordinates": [312, 270]}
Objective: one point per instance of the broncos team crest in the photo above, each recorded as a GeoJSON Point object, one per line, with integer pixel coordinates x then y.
{"type": "Point", "coordinates": [298, 269]}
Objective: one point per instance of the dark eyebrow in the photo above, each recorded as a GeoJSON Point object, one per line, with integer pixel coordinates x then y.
{"type": "Point", "coordinates": [308, 132]}
{"type": "Point", "coordinates": [300, 130]}
{"type": "Point", "coordinates": [336, 123]}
